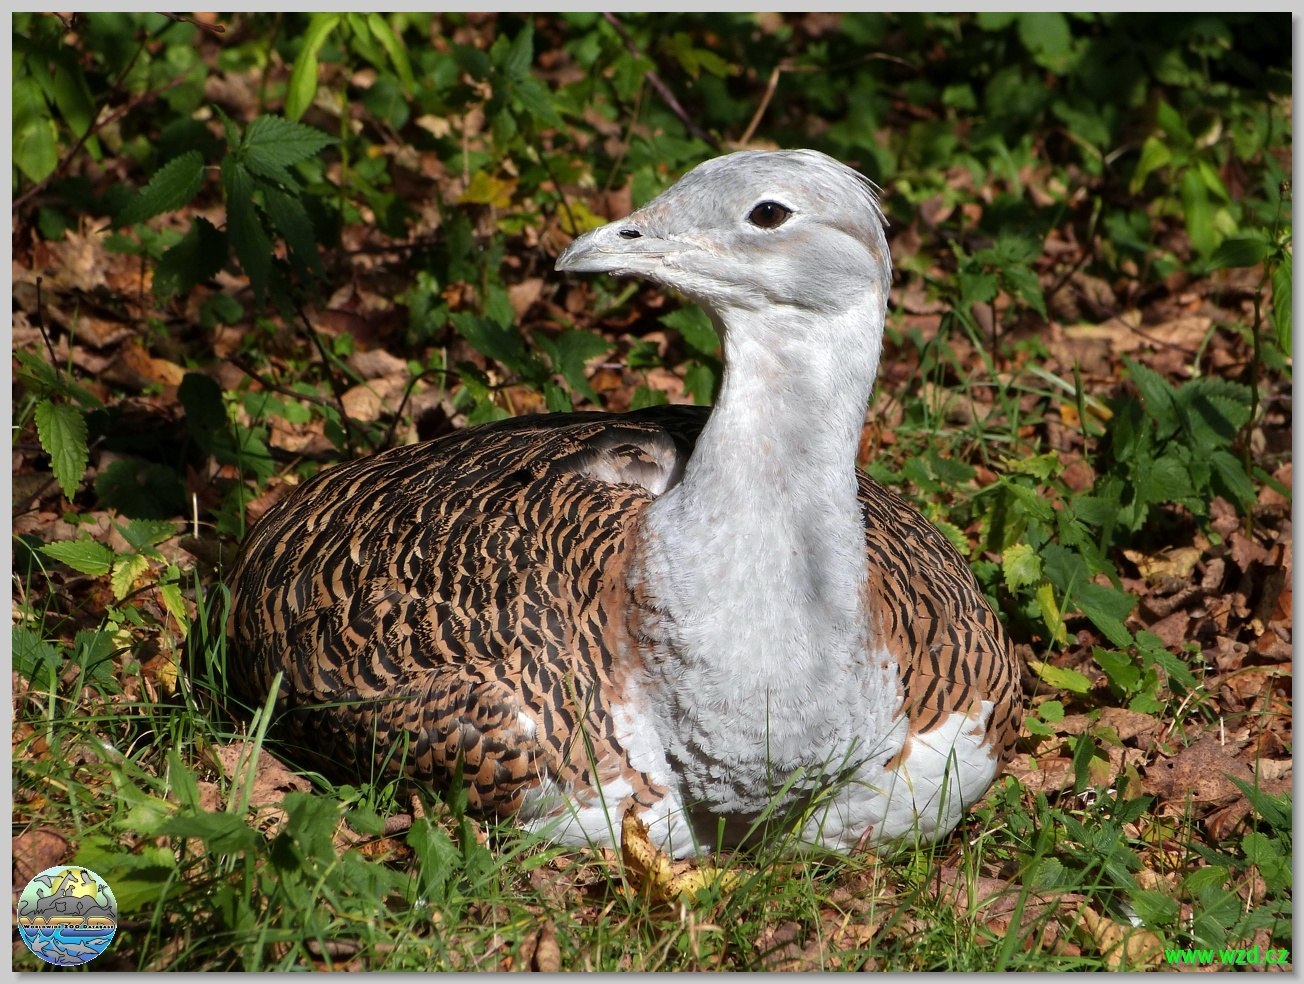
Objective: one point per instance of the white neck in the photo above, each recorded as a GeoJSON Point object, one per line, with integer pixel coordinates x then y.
{"type": "Point", "coordinates": [755, 562]}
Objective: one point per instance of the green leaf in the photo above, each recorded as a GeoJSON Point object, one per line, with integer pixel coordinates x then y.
{"type": "Point", "coordinates": [1154, 155]}
{"type": "Point", "coordinates": [393, 46]}
{"type": "Point", "coordinates": [1061, 678]}
{"type": "Point", "coordinates": [33, 657]}
{"type": "Point", "coordinates": [291, 220]}
{"type": "Point", "coordinates": [142, 534]}
{"type": "Point", "coordinates": [574, 350]}
{"type": "Point", "coordinates": [1282, 295]}
{"type": "Point", "coordinates": [1231, 474]}
{"type": "Point", "coordinates": [196, 258]}
{"type": "Point", "coordinates": [303, 77]}
{"type": "Point", "coordinates": [516, 63]}
{"type": "Point", "coordinates": [1046, 36]}
{"type": "Point", "coordinates": [1198, 211]}
{"type": "Point", "coordinates": [35, 136]}
{"type": "Point", "coordinates": [173, 185]}
{"type": "Point", "coordinates": [1240, 252]}
{"type": "Point", "coordinates": [273, 142]}
{"type": "Point", "coordinates": [84, 556]}
{"type": "Point", "coordinates": [243, 226]}
{"type": "Point", "coordinates": [1106, 607]}
{"type": "Point", "coordinates": [1157, 394]}
{"type": "Point", "coordinates": [221, 833]}
{"type": "Point", "coordinates": [1021, 566]}
{"type": "Point", "coordinates": [61, 430]}
{"type": "Point", "coordinates": [694, 328]}
{"type": "Point", "coordinates": [126, 570]}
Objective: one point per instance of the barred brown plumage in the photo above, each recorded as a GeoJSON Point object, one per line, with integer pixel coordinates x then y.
{"type": "Point", "coordinates": [683, 611]}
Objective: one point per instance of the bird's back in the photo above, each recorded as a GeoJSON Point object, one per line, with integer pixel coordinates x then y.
{"type": "Point", "coordinates": [459, 604]}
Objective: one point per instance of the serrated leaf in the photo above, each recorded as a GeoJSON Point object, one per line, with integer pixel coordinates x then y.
{"type": "Point", "coordinates": [1061, 678]}
{"type": "Point", "coordinates": [516, 62]}
{"type": "Point", "coordinates": [1021, 566]}
{"type": "Point", "coordinates": [272, 140]}
{"type": "Point", "coordinates": [291, 220]}
{"type": "Point", "coordinates": [535, 99]}
{"type": "Point", "coordinates": [85, 556]}
{"type": "Point", "coordinates": [61, 430]}
{"type": "Point", "coordinates": [243, 226]}
{"type": "Point", "coordinates": [175, 603]}
{"type": "Point", "coordinates": [127, 569]}
{"type": "Point", "coordinates": [196, 258]}
{"type": "Point", "coordinates": [1231, 473]}
{"type": "Point", "coordinates": [33, 657]}
{"type": "Point", "coordinates": [303, 77]}
{"type": "Point", "coordinates": [1157, 395]}
{"type": "Point", "coordinates": [1106, 607]}
{"type": "Point", "coordinates": [1050, 614]}
{"type": "Point", "coordinates": [173, 185]}
{"type": "Point", "coordinates": [143, 534]}
{"type": "Point", "coordinates": [574, 350]}
{"type": "Point", "coordinates": [694, 328]}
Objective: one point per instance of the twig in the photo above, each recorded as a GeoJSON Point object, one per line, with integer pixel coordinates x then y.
{"type": "Point", "coordinates": [770, 86]}
{"type": "Point", "coordinates": [334, 383]}
{"type": "Point", "coordinates": [662, 90]}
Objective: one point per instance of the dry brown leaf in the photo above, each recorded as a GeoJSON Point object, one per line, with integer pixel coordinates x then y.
{"type": "Point", "coordinates": [547, 952]}
{"type": "Point", "coordinates": [1123, 947]}
{"type": "Point", "coordinates": [1198, 771]}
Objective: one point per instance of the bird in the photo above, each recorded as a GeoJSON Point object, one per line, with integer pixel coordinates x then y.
{"type": "Point", "coordinates": [707, 618]}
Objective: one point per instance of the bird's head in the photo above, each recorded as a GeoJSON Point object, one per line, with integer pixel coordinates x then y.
{"type": "Point", "coordinates": [753, 231]}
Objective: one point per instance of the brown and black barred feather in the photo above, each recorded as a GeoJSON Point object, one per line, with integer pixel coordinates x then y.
{"type": "Point", "coordinates": [455, 604]}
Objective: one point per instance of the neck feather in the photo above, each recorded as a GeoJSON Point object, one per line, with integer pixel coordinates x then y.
{"type": "Point", "coordinates": [758, 556]}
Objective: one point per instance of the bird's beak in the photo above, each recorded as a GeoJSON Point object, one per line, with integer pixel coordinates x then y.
{"type": "Point", "coordinates": [623, 248]}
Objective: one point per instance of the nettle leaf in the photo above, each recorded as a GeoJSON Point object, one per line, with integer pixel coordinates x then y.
{"type": "Point", "coordinates": [84, 556]}
{"type": "Point", "coordinates": [243, 226]}
{"type": "Point", "coordinates": [694, 328]}
{"type": "Point", "coordinates": [291, 220]}
{"type": "Point", "coordinates": [143, 534]}
{"type": "Point", "coordinates": [273, 140]}
{"type": "Point", "coordinates": [196, 258]}
{"type": "Point", "coordinates": [1021, 566]}
{"type": "Point", "coordinates": [126, 571]}
{"type": "Point", "coordinates": [1230, 471]}
{"type": "Point", "coordinates": [173, 185]}
{"type": "Point", "coordinates": [1157, 395]}
{"type": "Point", "coordinates": [32, 655]}
{"type": "Point", "coordinates": [1061, 678]}
{"type": "Point", "coordinates": [574, 350]}
{"type": "Point", "coordinates": [1106, 607]}
{"type": "Point", "coordinates": [61, 430]}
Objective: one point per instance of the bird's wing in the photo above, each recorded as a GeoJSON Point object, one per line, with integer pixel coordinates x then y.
{"type": "Point", "coordinates": [442, 605]}
{"type": "Point", "coordinates": [953, 652]}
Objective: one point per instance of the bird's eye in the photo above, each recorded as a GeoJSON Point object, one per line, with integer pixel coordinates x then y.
{"type": "Point", "coordinates": [769, 215]}
{"type": "Point", "coordinates": [630, 234]}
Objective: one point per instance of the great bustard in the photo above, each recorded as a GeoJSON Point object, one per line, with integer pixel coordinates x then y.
{"type": "Point", "coordinates": [695, 614]}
